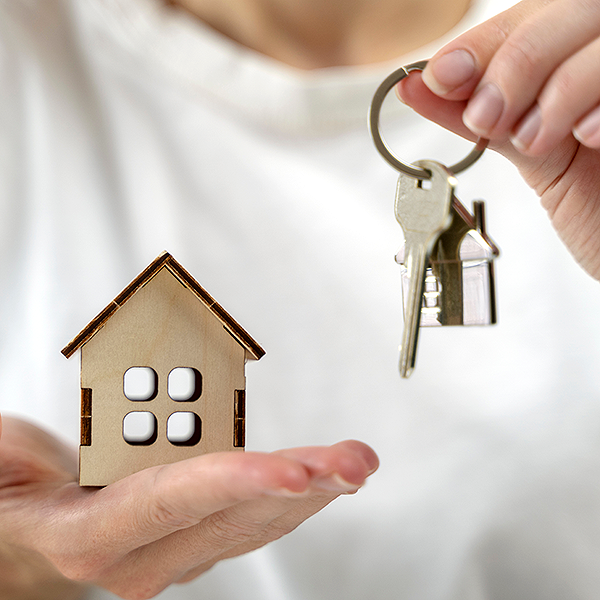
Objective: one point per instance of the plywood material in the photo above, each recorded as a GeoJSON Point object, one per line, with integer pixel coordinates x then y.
{"type": "Point", "coordinates": [165, 260]}
{"type": "Point", "coordinates": [161, 322]}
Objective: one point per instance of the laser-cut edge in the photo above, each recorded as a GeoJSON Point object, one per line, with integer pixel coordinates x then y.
{"type": "Point", "coordinates": [165, 260]}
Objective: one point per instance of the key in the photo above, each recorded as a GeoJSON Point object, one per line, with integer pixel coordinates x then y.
{"type": "Point", "coordinates": [423, 211]}
{"type": "Point", "coordinates": [447, 266]}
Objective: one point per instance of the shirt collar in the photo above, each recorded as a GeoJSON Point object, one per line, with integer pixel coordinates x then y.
{"type": "Point", "coordinates": [210, 66]}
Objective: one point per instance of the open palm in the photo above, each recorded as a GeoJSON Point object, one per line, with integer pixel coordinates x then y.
{"type": "Point", "coordinates": [159, 526]}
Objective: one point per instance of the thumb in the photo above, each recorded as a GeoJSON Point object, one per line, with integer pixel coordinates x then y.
{"type": "Point", "coordinates": [537, 171]}
{"type": "Point", "coordinates": [457, 68]}
{"type": "Point", "coordinates": [413, 91]}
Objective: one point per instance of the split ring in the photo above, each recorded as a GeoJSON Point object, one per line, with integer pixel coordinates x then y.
{"type": "Point", "coordinates": [374, 111]}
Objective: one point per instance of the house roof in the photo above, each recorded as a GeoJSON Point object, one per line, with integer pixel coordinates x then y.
{"type": "Point", "coordinates": [165, 261]}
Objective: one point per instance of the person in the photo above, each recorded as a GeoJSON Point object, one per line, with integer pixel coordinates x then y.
{"type": "Point", "coordinates": [533, 94]}
{"type": "Point", "coordinates": [233, 134]}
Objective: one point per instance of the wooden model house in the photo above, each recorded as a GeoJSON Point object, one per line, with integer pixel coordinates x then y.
{"type": "Point", "coordinates": [162, 376]}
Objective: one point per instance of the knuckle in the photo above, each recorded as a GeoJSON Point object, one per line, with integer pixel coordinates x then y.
{"type": "Point", "coordinates": [168, 517]}
{"type": "Point", "coordinates": [81, 568]}
{"type": "Point", "coordinates": [522, 54]}
{"type": "Point", "coordinates": [227, 530]}
{"type": "Point", "coordinates": [498, 29]}
{"type": "Point", "coordinates": [161, 512]}
{"type": "Point", "coordinates": [273, 532]}
{"type": "Point", "coordinates": [280, 530]}
{"type": "Point", "coordinates": [561, 87]}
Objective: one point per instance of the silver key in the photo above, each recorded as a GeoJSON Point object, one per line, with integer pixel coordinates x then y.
{"type": "Point", "coordinates": [423, 211]}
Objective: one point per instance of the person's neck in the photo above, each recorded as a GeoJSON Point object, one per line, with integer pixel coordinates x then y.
{"type": "Point", "coordinates": [311, 34]}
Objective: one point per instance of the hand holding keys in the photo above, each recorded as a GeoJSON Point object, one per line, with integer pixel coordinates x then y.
{"type": "Point", "coordinates": [448, 275]}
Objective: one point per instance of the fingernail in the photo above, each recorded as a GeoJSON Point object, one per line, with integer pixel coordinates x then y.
{"type": "Point", "coordinates": [287, 493]}
{"type": "Point", "coordinates": [398, 90]}
{"type": "Point", "coordinates": [449, 72]}
{"type": "Point", "coordinates": [336, 483]}
{"type": "Point", "coordinates": [587, 131]}
{"type": "Point", "coordinates": [372, 469]}
{"type": "Point", "coordinates": [484, 109]}
{"type": "Point", "coordinates": [528, 129]}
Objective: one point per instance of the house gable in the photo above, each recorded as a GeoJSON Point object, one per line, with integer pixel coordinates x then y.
{"type": "Point", "coordinates": [166, 261]}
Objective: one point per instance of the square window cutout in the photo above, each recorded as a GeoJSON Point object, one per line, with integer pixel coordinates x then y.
{"type": "Point", "coordinates": [140, 384]}
{"type": "Point", "coordinates": [140, 428]}
{"type": "Point", "coordinates": [184, 384]}
{"type": "Point", "coordinates": [184, 429]}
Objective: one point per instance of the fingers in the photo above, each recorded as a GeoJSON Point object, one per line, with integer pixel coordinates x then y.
{"type": "Point", "coordinates": [530, 73]}
{"type": "Point", "coordinates": [349, 463]}
{"type": "Point", "coordinates": [301, 510]}
{"type": "Point", "coordinates": [103, 526]}
{"type": "Point", "coordinates": [282, 525]}
{"type": "Point", "coordinates": [413, 92]}
{"type": "Point", "coordinates": [457, 68]}
{"type": "Point", "coordinates": [151, 528]}
{"type": "Point", "coordinates": [246, 525]}
{"type": "Point", "coordinates": [224, 534]}
{"type": "Point", "coordinates": [587, 130]}
{"type": "Point", "coordinates": [156, 502]}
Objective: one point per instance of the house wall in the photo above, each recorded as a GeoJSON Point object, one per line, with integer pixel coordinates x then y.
{"type": "Point", "coordinates": [162, 326]}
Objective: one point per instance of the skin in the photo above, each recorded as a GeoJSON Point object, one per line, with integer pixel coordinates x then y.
{"type": "Point", "coordinates": [311, 34]}
{"type": "Point", "coordinates": [160, 526]}
{"type": "Point", "coordinates": [540, 58]}
{"type": "Point", "coordinates": [172, 523]}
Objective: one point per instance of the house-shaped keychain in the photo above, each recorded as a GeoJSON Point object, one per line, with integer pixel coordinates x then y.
{"type": "Point", "coordinates": [162, 376]}
{"type": "Point", "coordinates": [459, 287]}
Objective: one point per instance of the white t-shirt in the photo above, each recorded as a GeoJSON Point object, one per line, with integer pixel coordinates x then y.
{"type": "Point", "coordinates": [127, 128]}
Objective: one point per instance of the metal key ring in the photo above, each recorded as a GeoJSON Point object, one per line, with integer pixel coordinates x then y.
{"type": "Point", "coordinates": [375, 110]}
